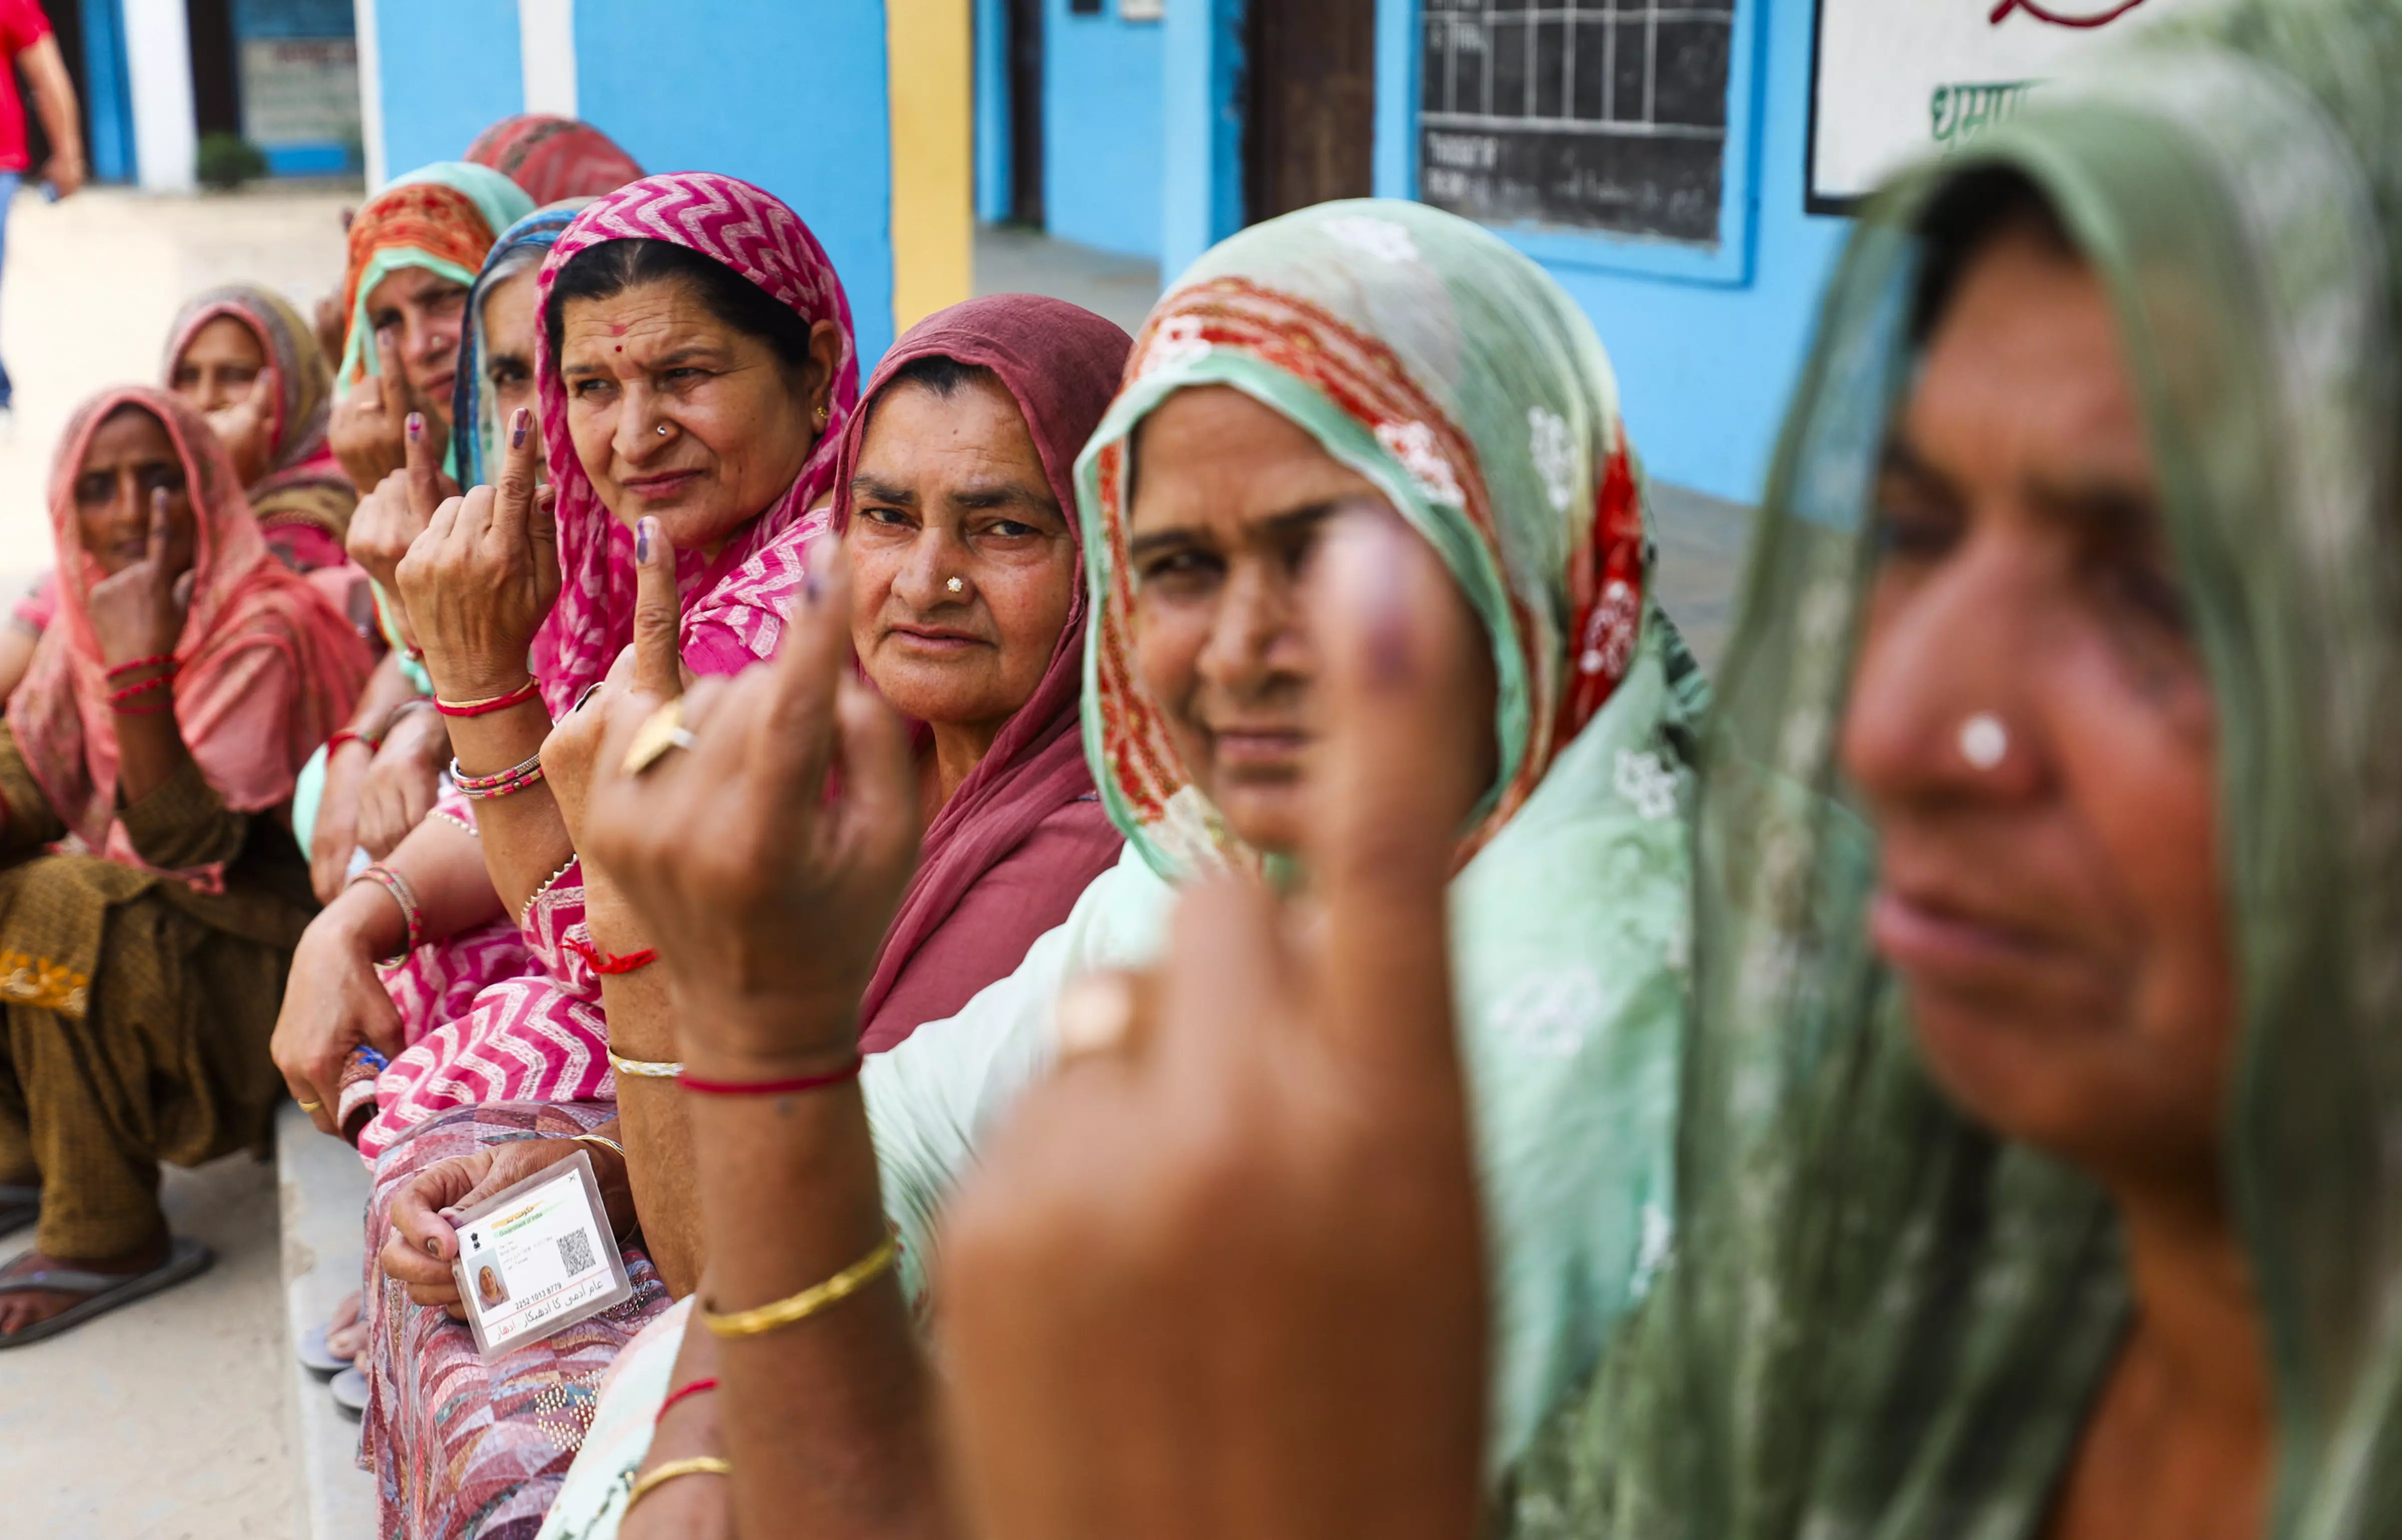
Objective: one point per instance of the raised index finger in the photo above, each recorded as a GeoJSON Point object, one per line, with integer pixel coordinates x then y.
{"type": "Point", "coordinates": [513, 504]}
{"type": "Point", "coordinates": [1396, 774]}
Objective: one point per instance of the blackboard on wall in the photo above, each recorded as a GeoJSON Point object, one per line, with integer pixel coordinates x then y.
{"type": "Point", "coordinates": [1607, 115]}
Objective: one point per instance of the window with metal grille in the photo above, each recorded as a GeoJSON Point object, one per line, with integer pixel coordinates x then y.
{"type": "Point", "coordinates": [1604, 114]}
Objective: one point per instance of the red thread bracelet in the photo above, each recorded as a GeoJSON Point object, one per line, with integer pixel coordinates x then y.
{"type": "Point", "coordinates": [165, 659]}
{"type": "Point", "coordinates": [333, 744]}
{"type": "Point", "coordinates": [517, 696]}
{"type": "Point", "coordinates": [681, 1392]}
{"type": "Point", "coordinates": [772, 1088]}
{"type": "Point", "coordinates": [612, 962]}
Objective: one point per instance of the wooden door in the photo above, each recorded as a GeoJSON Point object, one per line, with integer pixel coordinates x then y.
{"type": "Point", "coordinates": [1309, 123]}
{"type": "Point", "coordinates": [1025, 113]}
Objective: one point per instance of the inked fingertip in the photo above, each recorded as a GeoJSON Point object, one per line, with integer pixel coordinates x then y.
{"type": "Point", "coordinates": [642, 539]}
{"type": "Point", "coordinates": [517, 420]}
{"type": "Point", "coordinates": [416, 424]}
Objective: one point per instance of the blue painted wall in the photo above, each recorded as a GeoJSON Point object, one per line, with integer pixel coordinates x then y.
{"type": "Point", "coordinates": [451, 68]}
{"type": "Point", "coordinates": [1102, 153]}
{"type": "Point", "coordinates": [791, 98]}
{"type": "Point", "coordinates": [1704, 363]}
{"type": "Point", "coordinates": [991, 110]}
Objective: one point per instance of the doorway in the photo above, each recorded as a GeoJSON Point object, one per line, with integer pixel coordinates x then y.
{"type": "Point", "coordinates": [1309, 118]}
{"type": "Point", "coordinates": [1025, 113]}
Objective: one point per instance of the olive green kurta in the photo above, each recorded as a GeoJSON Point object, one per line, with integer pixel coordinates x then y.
{"type": "Point", "coordinates": [137, 1005]}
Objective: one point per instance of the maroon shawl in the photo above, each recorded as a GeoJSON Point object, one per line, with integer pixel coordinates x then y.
{"type": "Point", "coordinates": [1024, 834]}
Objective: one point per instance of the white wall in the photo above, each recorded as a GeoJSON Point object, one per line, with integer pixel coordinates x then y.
{"type": "Point", "coordinates": [546, 53]}
{"type": "Point", "coordinates": [158, 71]}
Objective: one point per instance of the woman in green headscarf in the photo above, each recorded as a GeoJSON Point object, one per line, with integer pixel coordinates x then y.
{"type": "Point", "coordinates": [2040, 1171]}
{"type": "Point", "coordinates": [1393, 354]}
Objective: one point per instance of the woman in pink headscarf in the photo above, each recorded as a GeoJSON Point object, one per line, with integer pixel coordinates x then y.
{"type": "Point", "coordinates": [955, 512]}
{"type": "Point", "coordinates": [152, 890]}
{"type": "Point", "coordinates": [741, 401]}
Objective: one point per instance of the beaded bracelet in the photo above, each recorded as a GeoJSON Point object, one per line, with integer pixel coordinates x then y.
{"type": "Point", "coordinates": [165, 661]}
{"type": "Point", "coordinates": [517, 696]}
{"type": "Point", "coordinates": [500, 783]}
{"type": "Point", "coordinates": [412, 918]}
{"type": "Point", "coordinates": [156, 681]}
{"type": "Point", "coordinates": [525, 911]}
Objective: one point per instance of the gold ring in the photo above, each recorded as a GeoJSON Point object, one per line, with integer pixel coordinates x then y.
{"type": "Point", "coordinates": [661, 731]}
{"type": "Point", "coordinates": [311, 1107]}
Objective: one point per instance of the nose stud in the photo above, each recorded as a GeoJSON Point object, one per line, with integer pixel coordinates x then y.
{"type": "Point", "coordinates": [1983, 740]}
{"type": "Point", "coordinates": [957, 586]}
{"type": "Point", "coordinates": [663, 430]}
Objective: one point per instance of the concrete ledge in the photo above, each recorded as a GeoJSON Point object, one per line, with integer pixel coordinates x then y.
{"type": "Point", "coordinates": [325, 1195]}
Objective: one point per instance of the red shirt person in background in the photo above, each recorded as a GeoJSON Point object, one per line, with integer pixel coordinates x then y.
{"type": "Point", "coordinates": [26, 38]}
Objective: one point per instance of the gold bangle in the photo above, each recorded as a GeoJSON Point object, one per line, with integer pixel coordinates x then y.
{"type": "Point", "coordinates": [807, 1303]}
{"type": "Point", "coordinates": [601, 1139]}
{"type": "Point", "coordinates": [647, 1069]}
{"type": "Point", "coordinates": [699, 1464]}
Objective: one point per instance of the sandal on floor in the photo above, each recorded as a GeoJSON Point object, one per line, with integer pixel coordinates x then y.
{"type": "Point", "coordinates": [318, 1358]}
{"type": "Point", "coordinates": [19, 1206]}
{"type": "Point", "coordinates": [103, 1291]}
{"type": "Point", "coordinates": [350, 1389]}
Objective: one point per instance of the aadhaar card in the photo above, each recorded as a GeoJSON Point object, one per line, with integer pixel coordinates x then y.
{"type": "Point", "coordinates": [538, 1258]}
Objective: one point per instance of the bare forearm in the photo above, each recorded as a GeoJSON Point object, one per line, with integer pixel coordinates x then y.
{"type": "Point", "coordinates": [54, 96]}
{"type": "Point", "coordinates": [443, 868]}
{"type": "Point", "coordinates": [387, 689]}
{"type": "Point", "coordinates": [150, 751]}
{"type": "Point", "coordinates": [657, 1139]}
{"type": "Point", "coordinates": [828, 1422]}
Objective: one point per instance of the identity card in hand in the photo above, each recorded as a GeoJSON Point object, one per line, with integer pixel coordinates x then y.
{"type": "Point", "coordinates": [538, 1258]}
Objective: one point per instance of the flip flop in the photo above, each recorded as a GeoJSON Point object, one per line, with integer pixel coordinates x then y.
{"type": "Point", "coordinates": [316, 1357]}
{"type": "Point", "coordinates": [104, 1292]}
{"type": "Point", "coordinates": [350, 1389]}
{"type": "Point", "coordinates": [19, 1206]}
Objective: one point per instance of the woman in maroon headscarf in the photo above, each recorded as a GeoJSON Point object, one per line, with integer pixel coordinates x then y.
{"type": "Point", "coordinates": [955, 504]}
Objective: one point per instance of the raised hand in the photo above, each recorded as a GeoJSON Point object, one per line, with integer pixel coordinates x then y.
{"type": "Point", "coordinates": [479, 583]}
{"type": "Point", "coordinates": [651, 669]}
{"type": "Point", "coordinates": [138, 611]}
{"type": "Point", "coordinates": [365, 430]}
{"type": "Point", "coordinates": [389, 519]}
{"type": "Point", "coordinates": [1223, 1274]}
{"type": "Point", "coordinates": [731, 848]}
{"type": "Point", "coordinates": [241, 426]}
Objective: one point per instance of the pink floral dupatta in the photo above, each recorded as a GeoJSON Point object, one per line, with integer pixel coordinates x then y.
{"type": "Point", "coordinates": [542, 1035]}
{"type": "Point", "coordinates": [268, 668]}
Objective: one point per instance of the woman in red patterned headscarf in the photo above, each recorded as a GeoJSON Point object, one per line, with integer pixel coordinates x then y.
{"type": "Point", "coordinates": [554, 157]}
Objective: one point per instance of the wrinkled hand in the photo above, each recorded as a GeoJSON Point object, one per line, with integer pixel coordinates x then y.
{"type": "Point", "coordinates": [482, 578]}
{"type": "Point", "coordinates": [1225, 1277]}
{"type": "Point", "coordinates": [651, 669]}
{"type": "Point", "coordinates": [401, 785]}
{"type": "Point", "coordinates": [424, 1242]}
{"type": "Point", "coordinates": [365, 429]}
{"type": "Point", "coordinates": [388, 520]}
{"type": "Point", "coordinates": [333, 1002]}
{"type": "Point", "coordinates": [336, 832]}
{"type": "Point", "coordinates": [727, 850]}
{"type": "Point", "coordinates": [138, 613]}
